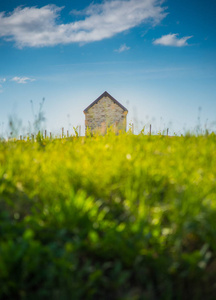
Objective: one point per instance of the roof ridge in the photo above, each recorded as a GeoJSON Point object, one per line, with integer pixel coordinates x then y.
{"type": "Point", "coordinates": [105, 94]}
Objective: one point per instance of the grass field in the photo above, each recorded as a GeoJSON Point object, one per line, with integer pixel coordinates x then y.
{"type": "Point", "coordinates": [108, 217]}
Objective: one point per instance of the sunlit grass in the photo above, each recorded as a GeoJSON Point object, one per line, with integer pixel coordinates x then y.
{"type": "Point", "coordinates": [127, 217]}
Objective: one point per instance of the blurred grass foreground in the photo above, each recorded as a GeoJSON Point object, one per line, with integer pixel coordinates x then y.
{"type": "Point", "coordinates": [108, 217]}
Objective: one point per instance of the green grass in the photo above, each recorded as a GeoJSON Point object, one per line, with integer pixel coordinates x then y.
{"type": "Point", "coordinates": [108, 217]}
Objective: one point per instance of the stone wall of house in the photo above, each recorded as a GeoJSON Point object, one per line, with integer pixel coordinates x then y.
{"type": "Point", "coordinates": [105, 113]}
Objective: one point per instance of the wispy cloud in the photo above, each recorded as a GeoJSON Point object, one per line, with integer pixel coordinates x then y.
{"type": "Point", "coordinates": [172, 40]}
{"type": "Point", "coordinates": [39, 27]}
{"type": "Point", "coordinates": [22, 79]}
{"type": "Point", "coordinates": [2, 80]}
{"type": "Point", "coordinates": [122, 48]}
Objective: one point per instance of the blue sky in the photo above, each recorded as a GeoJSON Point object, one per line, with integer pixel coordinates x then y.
{"type": "Point", "coordinates": [157, 58]}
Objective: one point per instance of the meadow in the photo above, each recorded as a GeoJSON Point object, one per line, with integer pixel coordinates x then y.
{"type": "Point", "coordinates": [124, 217]}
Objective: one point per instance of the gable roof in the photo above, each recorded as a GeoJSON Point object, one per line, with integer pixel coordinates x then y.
{"type": "Point", "coordinates": [105, 94]}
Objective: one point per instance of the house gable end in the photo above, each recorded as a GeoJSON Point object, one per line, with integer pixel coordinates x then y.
{"type": "Point", "coordinates": [105, 94]}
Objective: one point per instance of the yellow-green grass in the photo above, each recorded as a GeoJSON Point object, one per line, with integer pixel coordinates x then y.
{"type": "Point", "coordinates": [108, 217]}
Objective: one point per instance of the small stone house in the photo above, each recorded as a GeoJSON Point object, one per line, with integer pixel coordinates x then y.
{"type": "Point", "coordinates": [104, 112]}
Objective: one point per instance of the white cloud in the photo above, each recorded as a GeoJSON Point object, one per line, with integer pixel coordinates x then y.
{"type": "Point", "coordinates": [22, 79]}
{"type": "Point", "coordinates": [172, 40]}
{"type": "Point", "coordinates": [2, 80]}
{"type": "Point", "coordinates": [39, 27]}
{"type": "Point", "coordinates": [122, 48]}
